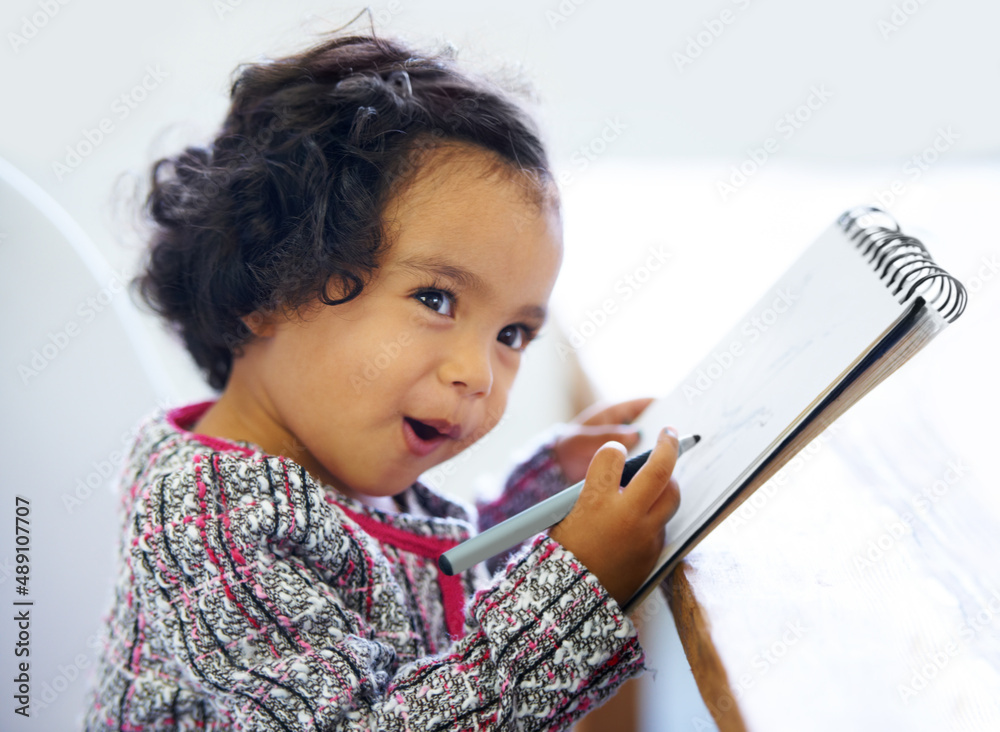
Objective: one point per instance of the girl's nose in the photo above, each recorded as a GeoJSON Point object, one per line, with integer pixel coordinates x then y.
{"type": "Point", "coordinates": [467, 366]}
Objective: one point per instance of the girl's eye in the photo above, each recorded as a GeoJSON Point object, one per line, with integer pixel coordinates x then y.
{"type": "Point", "coordinates": [436, 300]}
{"type": "Point", "coordinates": [442, 301]}
{"type": "Point", "coordinates": [516, 336]}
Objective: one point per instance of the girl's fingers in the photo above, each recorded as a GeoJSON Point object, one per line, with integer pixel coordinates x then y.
{"type": "Point", "coordinates": [598, 434]}
{"type": "Point", "coordinates": [666, 505]}
{"type": "Point", "coordinates": [634, 407]}
{"type": "Point", "coordinates": [620, 413]}
{"type": "Point", "coordinates": [651, 480]}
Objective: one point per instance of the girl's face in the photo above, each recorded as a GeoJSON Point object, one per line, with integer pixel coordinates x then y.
{"type": "Point", "coordinates": [380, 389]}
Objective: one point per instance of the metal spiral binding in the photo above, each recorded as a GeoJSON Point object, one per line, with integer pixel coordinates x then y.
{"type": "Point", "coordinates": [902, 261]}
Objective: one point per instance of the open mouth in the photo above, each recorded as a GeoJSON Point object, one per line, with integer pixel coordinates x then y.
{"type": "Point", "coordinates": [423, 431]}
{"type": "Point", "coordinates": [421, 438]}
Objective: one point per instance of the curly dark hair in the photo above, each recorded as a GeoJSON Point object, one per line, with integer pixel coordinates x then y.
{"type": "Point", "coordinates": [289, 195]}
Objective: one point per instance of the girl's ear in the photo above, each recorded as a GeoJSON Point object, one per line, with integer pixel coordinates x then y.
{"type": "Point", "coordinates": [258, 323]}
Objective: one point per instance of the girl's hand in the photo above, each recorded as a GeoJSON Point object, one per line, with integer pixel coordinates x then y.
{"type": "Point", "coordinates": [618, 532]}
{"type": "Point", "coordinates": [593, 427]}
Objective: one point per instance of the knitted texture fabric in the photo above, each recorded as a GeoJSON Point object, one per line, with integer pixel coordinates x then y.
{"type": "Point", "coordinates": [251, 597]}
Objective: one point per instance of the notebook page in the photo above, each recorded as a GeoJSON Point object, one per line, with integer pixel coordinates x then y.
{"type": "Point", "coordinates": [765, 376]}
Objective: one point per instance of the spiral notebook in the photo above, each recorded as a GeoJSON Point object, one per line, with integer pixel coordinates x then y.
{"type": "Point", "coordinates": [856, 305]}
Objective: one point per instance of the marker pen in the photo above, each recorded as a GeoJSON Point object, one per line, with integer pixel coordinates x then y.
{"type": "Point", "coordinates": [533, 520]}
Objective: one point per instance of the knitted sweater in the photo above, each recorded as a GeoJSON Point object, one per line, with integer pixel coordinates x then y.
{"type": "Point", "coordinates": [251, 597]}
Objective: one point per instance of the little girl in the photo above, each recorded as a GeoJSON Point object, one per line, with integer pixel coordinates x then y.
{"type": "Point", "coordinates": [358, 261]}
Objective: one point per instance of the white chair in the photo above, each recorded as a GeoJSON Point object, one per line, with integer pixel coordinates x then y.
{"type": "Point", "coordinates": [75, 376]}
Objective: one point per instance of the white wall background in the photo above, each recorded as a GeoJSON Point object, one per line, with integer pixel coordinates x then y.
{"type": "Point", "coordinates": [652, 76]}
{"type": "Point", "coordinates": [673, 86]}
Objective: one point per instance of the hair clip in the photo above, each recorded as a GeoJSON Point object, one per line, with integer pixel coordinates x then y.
{"type": "Point", "coordinates": [399, 80]}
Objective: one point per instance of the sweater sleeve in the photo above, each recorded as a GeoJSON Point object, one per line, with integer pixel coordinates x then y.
{"type": "Point", "coordinates": [284, 614]}
{"type": "Point", "coordinates": [531, 481]}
